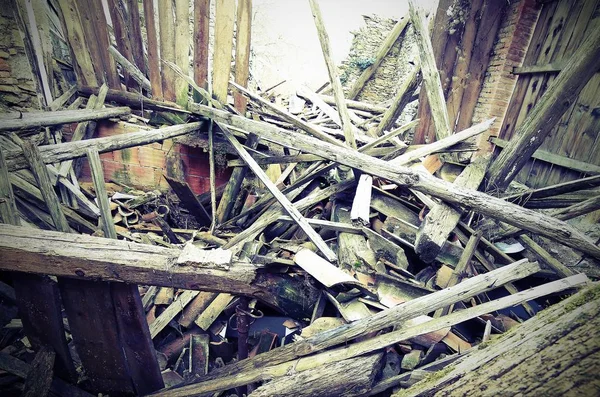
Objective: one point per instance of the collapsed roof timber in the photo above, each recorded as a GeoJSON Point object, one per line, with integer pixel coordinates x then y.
{"type": "Point", "coordinates": [172, 226]}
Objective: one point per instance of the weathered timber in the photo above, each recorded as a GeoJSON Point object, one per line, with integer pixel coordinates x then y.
{"type": "Point", "coordinates": [337, 226]}
{"type": "Point", "coordinates": [353, 249]}
{"type": "Point", "coordinates": [212, 382]}
{"type": "Point", "coordinates": [70, 150]}
{"type": "Point", "coordinates": [386, 248]}
{"type": "Point", "coordinates": [285, 203]}
{"type": "Point", "coordinates": [545, 257]}
{"type": "Point", "coordinates": [559, 97]}
{"type": "Point", "coordinates": [443, 143]}
{"type": "Point", "coordinates": [8, 209]}
{"type": "Point", "coordinates": [84, 257]}
{"type": "Point", "coordinates": [108, 225]}
{"type": "Point", "coordinates": [556, 159]}
{"type": "Point", "coordinates": [182, 49]}
{"type": "Point", "coordinates": [334, 79]}
{"type": "Point", "coordinates": [133, 100]}
{"type": "Point", "coordinates": [135, 35]}
{"type": "Point", "coordinates": [382, 51]}
{"type": "Point", "coordinates": [388, 136]}
{"type": "Point", "coordinates": [64, 98]}
{"type": "Point", "coordinates": [131, 69]}
{"type": "Point", "coordinates": [357, 105]}
{"type": "Point", "coordinates": [33, 120]}
{"type": "Point", "coordinates": [188, 199]}
{"type": "Point", "coordinates": [195, 308]}
{"type": "Point", "coordinates": [166, 20]}
{"type": "Point", "coordinates": [478, 201]}
{"type": "Point", "coordinates": [400, 100]}
{"type": "Point", "coordinates": [201, 39]}
{"type": "Point", "coordinates": [352, 377]}
{"type": "Point", "coordinates": [232, 189]}
{"type": "Point", "coordinates": [224, 21]}
{"type": "Point", "coordinates": [120, 27]}
{"type": "Point", "coordinates": [294, 120]}
{"type": "Point", "coordinates": [152, 47]}
{"type": "Point", "coordinates": [170, 312]}
{"type": "Point", "coordinates": [525, 361]}
{"type": "Point", "coordinates": [395, 315]}
{"type": "Point", "coordinates": [554, 190]}
{"type": "Point", "coordinates": [431, 76]}
{"type": "Point", "coordinates": [213, 310]}
{"type": "Point", "coordinates": [442, 219]}
{"type": "Point", "coordinates": [242, 50]}
{"type": "Point", "coordinates": [299, 158]}
{"type": "Point", "coordinates": [39, 376]}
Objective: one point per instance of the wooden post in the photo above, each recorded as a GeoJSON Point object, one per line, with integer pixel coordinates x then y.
{"type": "Point", "coordinates": [154, 70]}
{"type": "Point", "coordinates": [225, 18]}
{"type": "Point", "coordinates": [120, 29]}
{"type": "Point", "coordinates": [559, 97]}
{"type": "Point", "coordinates": [334, 79]}
{"type": "Point", "coordinates": [285, 203]}
{"type": "Point", "coordinates": [182, 49]}
{"type": "Point", "coordinates": [135, 35]}
{"type": "Point", "coordinates": [75, 35]}
{"type": "Point", "coordinates": [108, 225]}
{"type": "Point", "coordinates": [167, 47]}
{"type": "Point", "coordinates": [201, 24]}
{"type": "Point", "coordinates": [242, 51]}
{"type": "Point", "coordinates": [431, 76]}
{"type": "Point", "coordinates": [382, 51]}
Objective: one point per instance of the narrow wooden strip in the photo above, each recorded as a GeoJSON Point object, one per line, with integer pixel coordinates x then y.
{"type": "Point", "coordinates": [152, 47]}
{"type": "Point", "coordinates": [182, 49]}
{"type": "Point", "coordinates": [224, 21]}
{"type": "Point", "coordinates": [169, 314]}
{"type": "Point", "coordinates": [242, 50]}
{"type": "Point", "coordinates": [166, 19]}
{"type": "Point", "coordinates": [131, 69]}
{"type": "Point", "coordinates": [108, 225]}
{"type": "Point", "coordinates": [201, 39]}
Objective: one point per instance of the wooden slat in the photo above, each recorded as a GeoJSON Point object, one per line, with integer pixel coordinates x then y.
{"type": "Point", "coordinates": [182, 49]}
{"type": "Point", "coordinates": [120, 30]}
{"type": "Point", "coordinates": [106, 220]}
{"type": "Point", "coordinates": [135, 34]}
{"type": "Point", "coordinates": [224, 21]}
{"type": "Point", "coordinates": [201, 24]}
{"type": "Point", "coordinates": [154, 70]}
{"type": "Point", "coordinates": [167, 47]}
{"type": "Point", "coordinates": [242, 51]}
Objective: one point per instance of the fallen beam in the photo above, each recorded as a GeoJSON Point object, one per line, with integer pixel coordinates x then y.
{"type": "Point", "coordinates": [478, 201]}
{"type": "Point", "coordinates": [33, 120]}
{"type": "Point", "coordinates": [70, 150]}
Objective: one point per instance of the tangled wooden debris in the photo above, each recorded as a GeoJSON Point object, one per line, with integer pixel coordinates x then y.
{"type": "Point", "coordinates": [333, 261]}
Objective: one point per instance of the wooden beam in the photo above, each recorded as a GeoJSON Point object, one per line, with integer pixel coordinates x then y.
{"type": "Point", "coordinates": [544, 256]}
{"type": "Point", "coordinates": [70, 150]}
{"type": "Point", "coordinates": [8, 208]}
{"type": "Point", "coordinates": [130, 68]}
{"type": "Point", "coordinates": [551, 67]}
{"type": "Point", "coordinates": [555, 190]}
{"type": "Point", "coordinates": [182, 49]}
{"type": "Point", "coordinates": [106, 220]}
{"type": "Point", "coordinates": [133, 100]}
{"type": "Point", "coordinates": [431, 76]}
{"type": "Point", "coordinates": [166, 20]}
{"type": "Point", "coordinates": [357, 105]}
{"type": "Point", "coordinates": [135, 35]}
{"type": "Point", "coordinates": [33, 120]}
{"type": "Point", "coordinates": [442, 219]}
{"type": "Point", "coordinates": [334, 79]}
{"type": "Point", "coordinates": [559, 97]}
{"type": "Point", "coordinates": [152, 46]}
{"type": "Point", "coordinates": [201, 39]}
{"type": "Point", "coordinates": [285, 203]}
{"type": "Point", "coordinates": [382, 52]}
{"type": "Point", "coordinates": [224, 21]}
{"type": "Point", "coordinates": [117, 12]}
{"type": "Point", "coordinates": [188, 199]}
{"type": "Point", "coordinates": [400, 100]}
{"type": "Point", "coordinates": [478, 201]}
{"type": "Point", "coordinates": [555, 159]}
{"type": "Point", "coordinates": [242, 51]}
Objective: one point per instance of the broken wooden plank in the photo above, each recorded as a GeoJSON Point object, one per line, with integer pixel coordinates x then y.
{"type": "Point", "coordinates": [361, 204]}
{"type": "Point", "coordinates": [182, 49]}
{"type": "Point", "coordinates": [188, 199]}
{"type": "Point", "coordinates": [357, 105]}
{"type": "Point", "coordinates": [166, 20]}
{"type": "Point", "coordinates": [195, 308]}
{"type": "Point", "coordinates": [232, 189]}
{"type": "Point", "coordinates": [33, 120]}
{"type": "Point", "coordinates": [133, 100]}
{"type": "Point", "coordinates": [559, 97]}
{"type": "Point", "coordinates": [389, 135]}
{"type": "Point", "coordinates": [326, 273]}
{"type": "Point", "coordinates": [442, 219]}
{"type": "Point", "coordinates": [70, 150]}
{"type": "Point", "coordinates": [201, 40]}
{"type": "Point", "coordinates": [545, 257]}
{"type": "Point", "coordinates": [210, 314]}
{"type": "Point", "coordinates": [242, 50]}
{"type": "Point", "coordinates": [380, 55]}
{"type": "Point", "coordinates": [169, 314]}
{"type": "Point", "coordinates": [108, 226]}
{"type": "Point", "coordinates": [334, 79]}
{"type": "Point", "coordinates": [131, 69]}
{"type": "Point", "coordinates": [152, 48]}
{"type": "Point", "coordinates": [478, 201]}
{"type": "Point", "coordinates": [285, 203]}
{"type": "Point", "coordinates": [323, 224]}
{"type": "Point", "coordinates": [8, 208]}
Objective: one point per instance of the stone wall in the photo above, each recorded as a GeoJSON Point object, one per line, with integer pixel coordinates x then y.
{"type": "Point", "coordinates": [17, 84]}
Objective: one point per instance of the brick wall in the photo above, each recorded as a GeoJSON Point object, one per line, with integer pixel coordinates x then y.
{"type": "Point", "coordinates": [509, 51]}
{"type": "Point", "coordinates": [142, 167]}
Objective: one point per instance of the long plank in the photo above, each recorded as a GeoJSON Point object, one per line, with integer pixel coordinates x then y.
{"type": "Point", "coordinates": [33, 120]}
{"type": "Point", "coordinates": [478, 201]}
{"type": "Point", "coordinates": [201, 39]}
{"type": "Point", "coordinates": [70, 150]}
{"type": "Point", "coordinates": [152, 47]}
{"type": "Point", "coordinates": [224, 21]}
{"type": "Point", "coordinates": [242, 51]}
{"type": "Point", "coordinates": [167, 47]}
{"type": "Point", "coordinates": [182, 48]}
{"type": "Point", "coordinates": [285, 203]}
